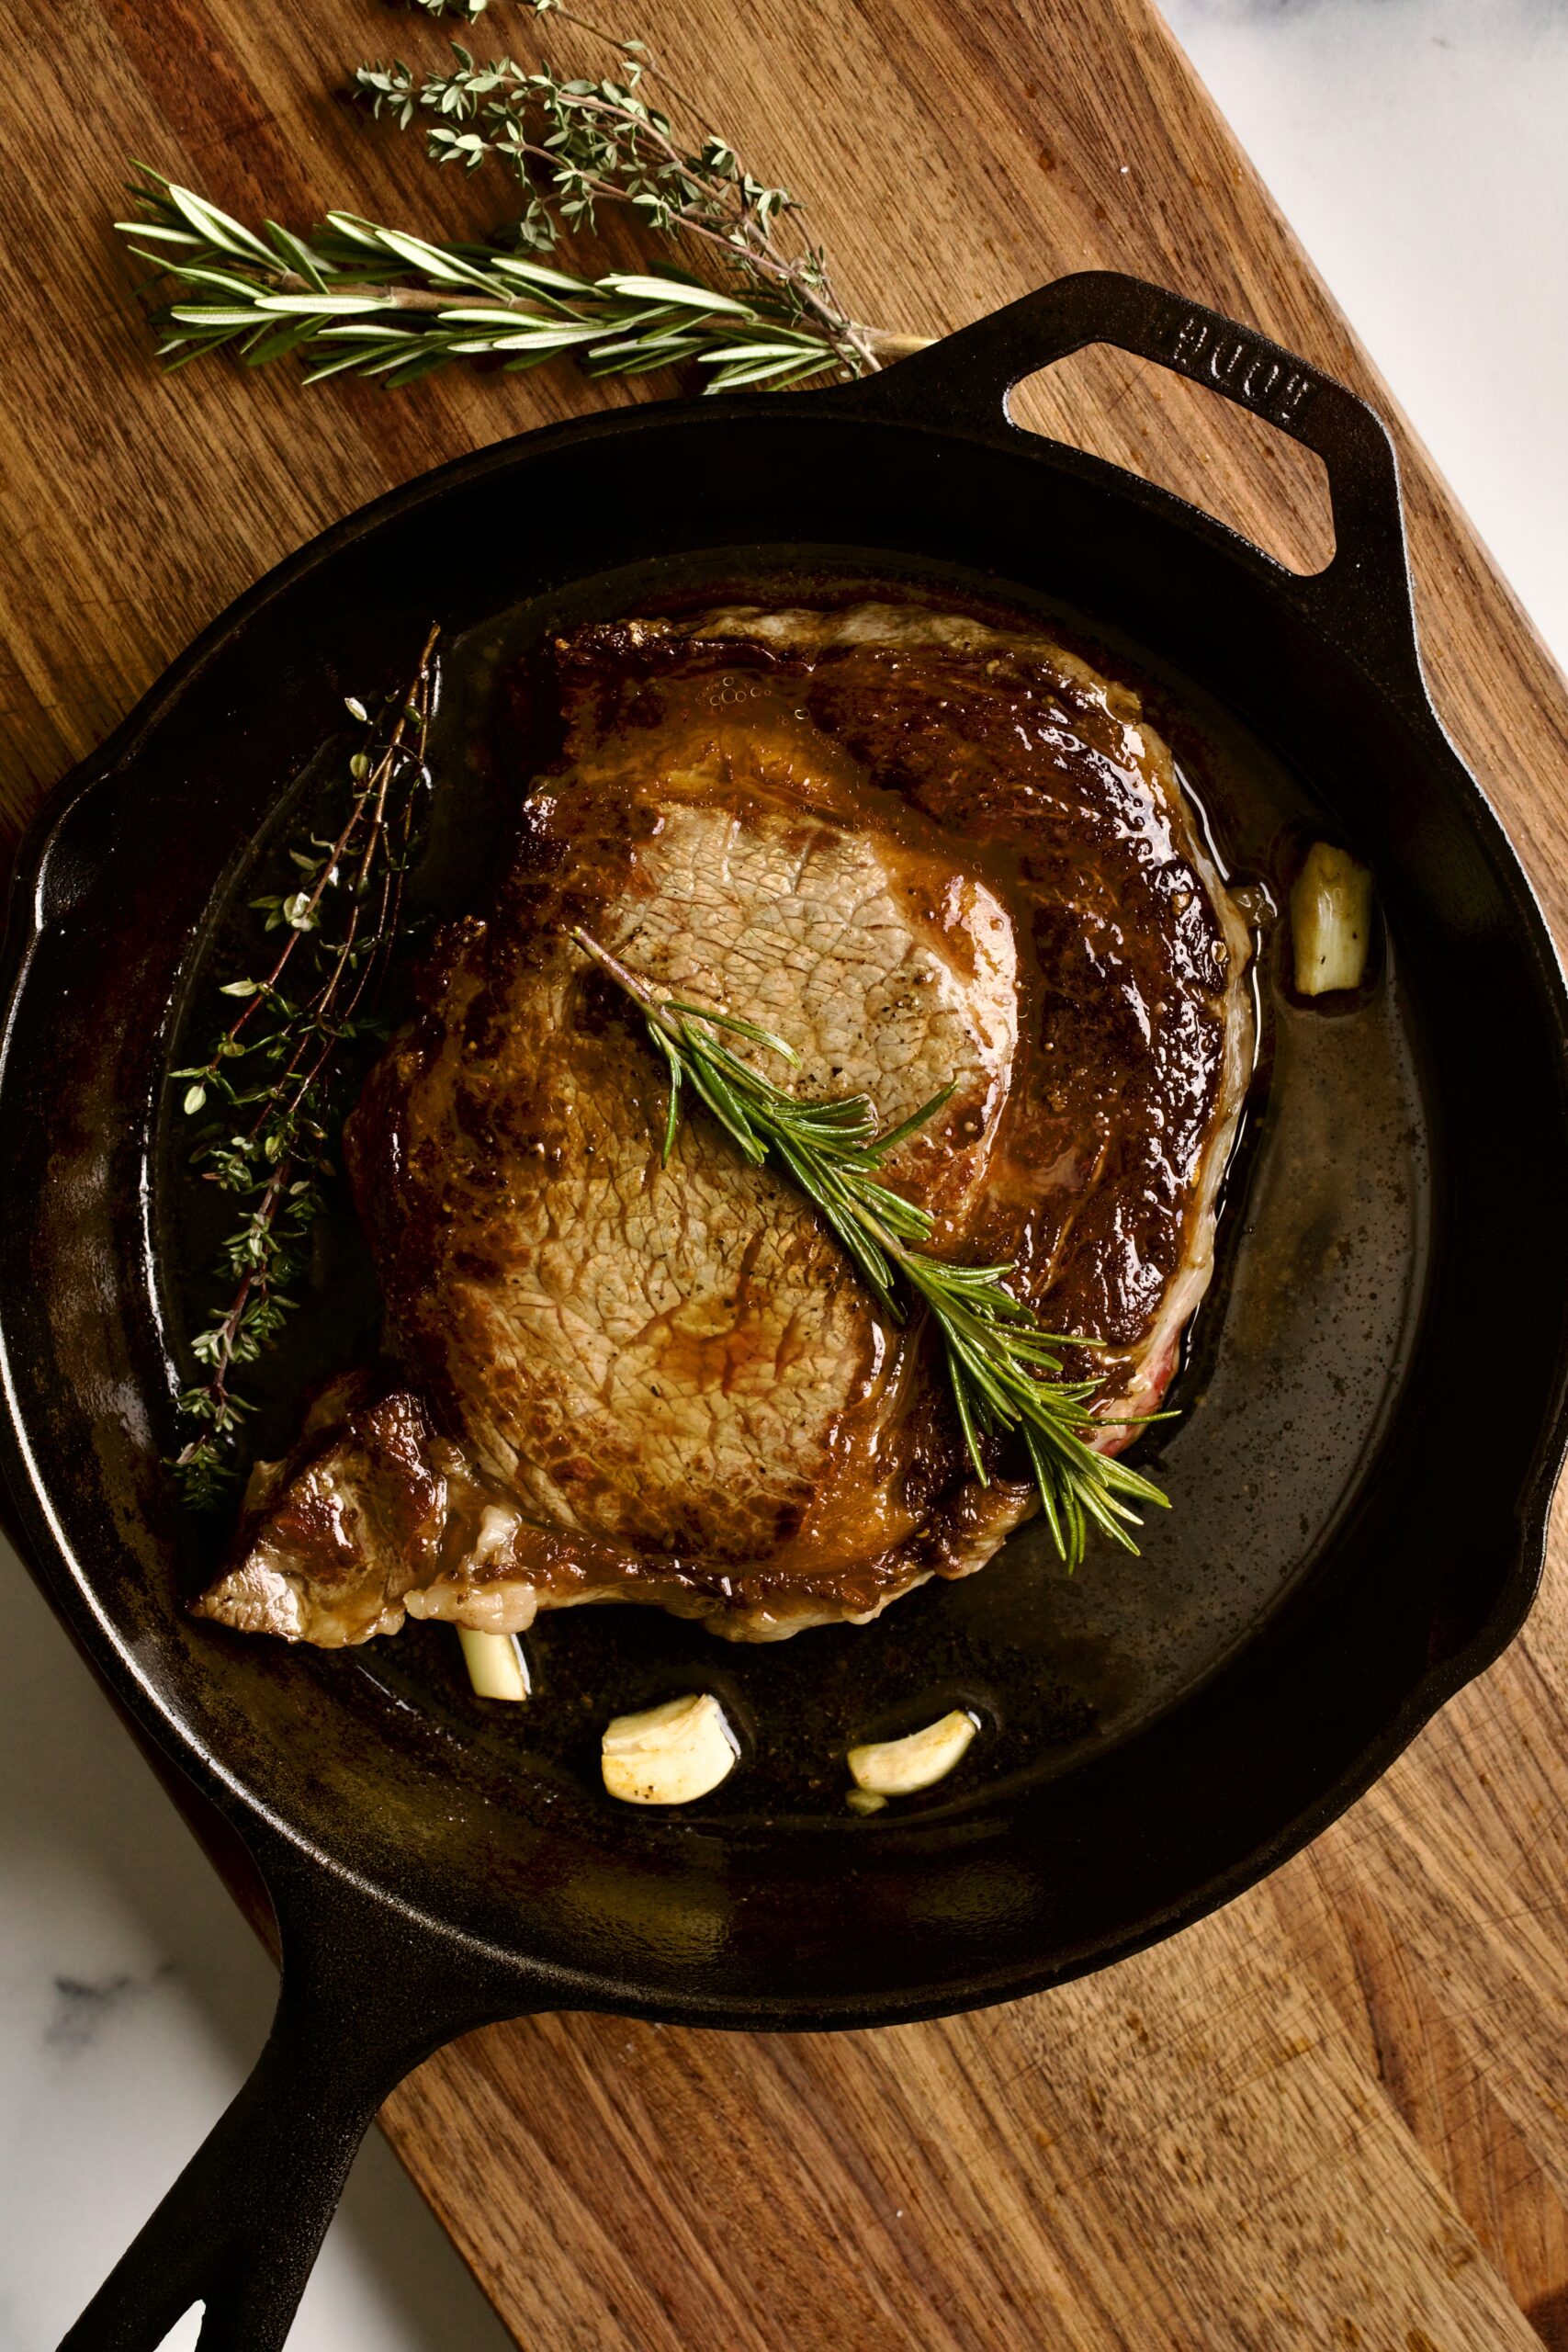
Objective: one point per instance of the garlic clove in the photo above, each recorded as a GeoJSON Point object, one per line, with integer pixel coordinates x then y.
{"type": "Point", "coordinates": [897, 1768]}
{"type": "Point", "coordinates": [1331, 920]}
{"type": "Point", "coordinates": [864, 1802]}
{"type": "Point", "coordinates": [670, 1754]}
{"type": "Point", "coordinates": [497, 1668]}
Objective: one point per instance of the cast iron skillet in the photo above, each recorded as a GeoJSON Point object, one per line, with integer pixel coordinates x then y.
{"type": "Point", "coordinates": [426, 1880]}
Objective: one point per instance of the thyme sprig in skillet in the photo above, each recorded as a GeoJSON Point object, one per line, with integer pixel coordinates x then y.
{"type": "Point", "coordinates": [353, 296]}
{"type": "Point", "coordinates": [277, 1074]}
{"type": "Point", "coordinates": [1003, 1368]}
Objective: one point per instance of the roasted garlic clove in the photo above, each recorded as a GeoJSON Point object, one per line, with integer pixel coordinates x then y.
{"type": "Point", "coordinates": [669, 1754]}
{"type": "Point", "coordinates": [897, 1768]}
{"type": "Point", "coordinates": [497, 1668]}
{"type": "Point", "coordinates": [1331, 920]}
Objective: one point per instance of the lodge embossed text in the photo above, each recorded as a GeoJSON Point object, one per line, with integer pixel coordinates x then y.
{"type": "Point", "coordinates": [1243, 367]}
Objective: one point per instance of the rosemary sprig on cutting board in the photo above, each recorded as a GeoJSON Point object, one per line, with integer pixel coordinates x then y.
{"type": "Point", "coordinates": [1004, 1370]}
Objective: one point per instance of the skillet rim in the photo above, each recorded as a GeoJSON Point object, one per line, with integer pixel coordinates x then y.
{"type": "Point", "coordinates": [70, 1585]}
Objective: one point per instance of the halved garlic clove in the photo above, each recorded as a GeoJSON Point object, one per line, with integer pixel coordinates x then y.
{"type": "Point", "coordinates": [497, 1668]}
{"type": "Point", "coordinates": [1331, 920]}
{"type": "Point", "coordinates": [897, 1768]}
{"type": "Point", "coordinates": [669, 1754]}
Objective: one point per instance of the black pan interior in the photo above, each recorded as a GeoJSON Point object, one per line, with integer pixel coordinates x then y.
{"type": "Point", "coordinates": [1341, 1547]}
{"type": "Point", "coordinates": [1291, 1373]}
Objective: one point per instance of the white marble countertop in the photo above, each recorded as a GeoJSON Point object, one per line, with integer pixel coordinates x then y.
{"type": "Point", "coordinates": [1416, 147]}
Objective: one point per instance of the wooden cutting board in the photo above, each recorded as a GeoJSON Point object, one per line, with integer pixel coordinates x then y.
{"type": "Point", "coordinates": [1336, 2115]}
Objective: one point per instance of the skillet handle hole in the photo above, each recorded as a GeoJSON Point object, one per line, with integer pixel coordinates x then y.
{"type": "Point", "coordinates": [1185, 438]}
{"type": "Point", "coordinates": [186, 2330]}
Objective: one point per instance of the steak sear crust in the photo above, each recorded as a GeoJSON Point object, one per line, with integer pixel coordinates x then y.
{"type": "Point", "coordinates": [925, 853]}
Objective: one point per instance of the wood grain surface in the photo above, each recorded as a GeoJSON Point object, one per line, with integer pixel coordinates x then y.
{"type": "Point", "coordinates": [1333, 2115]}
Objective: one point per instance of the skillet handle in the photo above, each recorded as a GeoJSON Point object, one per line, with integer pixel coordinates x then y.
{"type": "Point", "coordinates": [366, 1994]}
{"type": "Point", "coordinates": [1362, 597]}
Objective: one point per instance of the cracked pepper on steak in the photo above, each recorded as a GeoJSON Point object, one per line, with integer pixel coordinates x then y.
{"type": "Point", "coordinates": [922, 851]}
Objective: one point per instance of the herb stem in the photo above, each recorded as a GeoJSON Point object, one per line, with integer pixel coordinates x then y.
{"type": "Point", "coordinates": [283, 1156]}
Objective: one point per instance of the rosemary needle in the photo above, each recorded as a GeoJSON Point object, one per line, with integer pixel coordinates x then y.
{"type": "Point", "coordinates": [1004, 1370]}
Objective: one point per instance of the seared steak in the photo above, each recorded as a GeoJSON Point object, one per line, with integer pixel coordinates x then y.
{"type": "Point", "coordinates": [922, 850]}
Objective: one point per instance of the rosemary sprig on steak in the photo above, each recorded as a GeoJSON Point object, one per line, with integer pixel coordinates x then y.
{"type": "Point", "coordinates": [1003, 1368]}
{"type": "Point", "coordinates": [277, 1076]}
